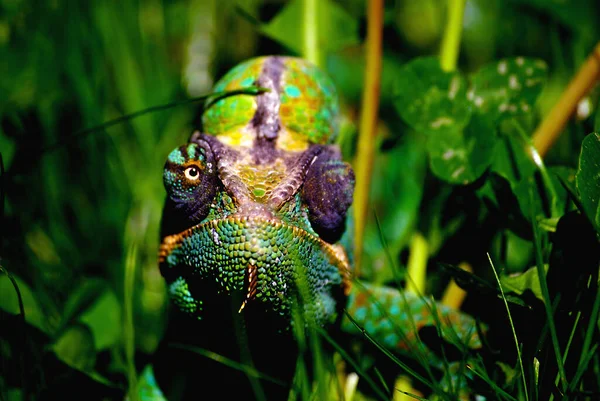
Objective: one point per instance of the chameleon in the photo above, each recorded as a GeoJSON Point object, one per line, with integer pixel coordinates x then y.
{"type": "Point", "coordinates": [256, 246]}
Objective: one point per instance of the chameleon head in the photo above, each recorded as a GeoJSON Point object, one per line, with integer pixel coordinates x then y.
{"type": "Point", "coordinates": [255, 208]}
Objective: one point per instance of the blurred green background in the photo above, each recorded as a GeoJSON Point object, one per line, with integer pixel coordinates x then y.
{"type": "Point", "coordinates": [79, 229]}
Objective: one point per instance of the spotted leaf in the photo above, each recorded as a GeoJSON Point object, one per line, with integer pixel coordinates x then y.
{"type": "Point", "coordinates": [588, 178]}
{"type": "Point", "coordinates": [461, 156]}
{"type": "Point", "coordinates": [429, 99]}
{"type": "Point", "coordinates": [508, 87]}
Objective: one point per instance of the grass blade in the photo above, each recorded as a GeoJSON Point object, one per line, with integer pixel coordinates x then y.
{"type": "Point", "coordinates": [493, 385]}
{"type": "Point", "coordinates": [546, 295]}
{"type": "Point", "coordinates": [585, 356]}
{"type": "Point", "coordinates": [213, 96]}
{"type": "Point", "coordinates": [249, 370]}
{"type": "Point", "coordinates": [354, 364]}
{"type": "Point", "coordinates": [395, 359]}
{"type": "Point", "coordinates": [512, 326]}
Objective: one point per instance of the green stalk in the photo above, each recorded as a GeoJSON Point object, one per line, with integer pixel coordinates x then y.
{"type": "Point", "coordinates": [368, 124]}
{"type": "Point", "coordinates": [547, 300]}
{"type": "Point", "coordinates": [512, 326]}
{"type": "Point", "coordinates": [2, 175]}
{"type": "Point", "coordinates": [539, 163]}
{"type": "Point", "coordinates": [310, 34]}
{"type": "Point", "coordinates": [499, 391]}
{"type": "Point", "coordinates": [129, 332]}
{"type": "Point", "coordinates": [242, 367]}
{"type": "Point", "coordinates": [407, 368]}
{"type": "Point", "coordinates": [585, 356]}
{"type": "Point", "coordinates": [566, 354]}
{"type": "Point", "coordinates": [451, 39]}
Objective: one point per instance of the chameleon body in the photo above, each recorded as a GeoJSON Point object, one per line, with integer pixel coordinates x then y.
{"type": "Point", "coordinates": [252, 236]}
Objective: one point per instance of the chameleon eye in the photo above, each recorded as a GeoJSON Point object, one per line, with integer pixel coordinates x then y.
{"type": "Point", "coordinates": [192, 173]}
{"type": "Point", "coordinates": [191, 183]}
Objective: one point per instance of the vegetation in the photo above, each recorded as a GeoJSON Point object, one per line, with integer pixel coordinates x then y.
{"type": "Point", "coordinates": [470, 178]}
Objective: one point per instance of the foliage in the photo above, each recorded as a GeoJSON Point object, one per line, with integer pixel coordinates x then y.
{"type": "Point", "coordinates": [81, 298]}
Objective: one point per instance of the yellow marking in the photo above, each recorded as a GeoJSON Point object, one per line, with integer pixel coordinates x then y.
{"type": "Point", "coordinates": [291, 141]}
{"type": "Point", "coordinates": [239, 137]}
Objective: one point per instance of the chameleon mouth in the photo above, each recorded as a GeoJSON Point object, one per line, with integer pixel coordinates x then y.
{"type": "Point", "coordinates": [260, 256]}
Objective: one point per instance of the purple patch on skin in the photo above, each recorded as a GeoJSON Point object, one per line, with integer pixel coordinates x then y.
{"type": "Point", "coordinates": [327, 191]}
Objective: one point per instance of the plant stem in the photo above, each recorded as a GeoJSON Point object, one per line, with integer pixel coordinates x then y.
{"type": "Point", "coordinates": [417, 264]}
{"type": "Point", "coordinates": [454, 295]}
{"type": "Point", "coordinates": [553, 124]}
{"type": "Point", "coordinates": [310, 34]}
{"type": "Point", "coordinates": [539, 262]}
{"type": "Point", "coordinates": [368, 123]}
{"type": "Point", "coordinates": [129, 333]}
{"type": "Point", "coordinates": [451, 39]}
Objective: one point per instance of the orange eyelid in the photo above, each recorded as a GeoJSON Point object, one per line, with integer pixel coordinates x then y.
{"type": "Point", "coordinates": [194, 163]}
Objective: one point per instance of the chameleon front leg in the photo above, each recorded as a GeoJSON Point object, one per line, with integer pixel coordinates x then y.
{"type": "Point", "coordinates": [393, 319]}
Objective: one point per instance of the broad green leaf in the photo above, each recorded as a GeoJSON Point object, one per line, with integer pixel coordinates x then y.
{"type": "Point", "coordinates": [588, 178]}
{"type": "Point", "coordinates": [431, 100]}
{"type": "Point", "coordinates": [336, 28]}
{"type": "Point", "coordinates": [9, 302]}
{"type": "Point", "coordinates": [82, 298]}
{"type": "Point", "coordinates": [461, 156]}
{"type": "Point", "coordinates": [75, 347]}
{"type": "Point", "coordinates": [519, 283]}
{"type": "Point", "coordinates": [104, 320]}
{"type": "Point", "coordinates": [508, 87]}
{"type": "Point", "coordinates": [518, 253]}
{"type": "Point", "coordinates": [597, 120]}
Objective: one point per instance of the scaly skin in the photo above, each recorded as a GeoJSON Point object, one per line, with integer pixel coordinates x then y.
{"type": "Point", "coordinates": [251, 238]}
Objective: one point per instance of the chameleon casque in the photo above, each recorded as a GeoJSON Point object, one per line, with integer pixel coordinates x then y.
{"type": "Point", "coordinates": [254, 242]}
